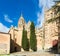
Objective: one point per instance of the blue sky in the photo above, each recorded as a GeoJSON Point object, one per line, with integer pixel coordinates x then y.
{"type": "Point", "coordinates": [33, 10]}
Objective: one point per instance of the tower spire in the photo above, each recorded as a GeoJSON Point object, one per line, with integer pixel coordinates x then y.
{"type": "Point", "coordinates": [21, 14]}
{"type": "Point", "coordinates": [21, 21]}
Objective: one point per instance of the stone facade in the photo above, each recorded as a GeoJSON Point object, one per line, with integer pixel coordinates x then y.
{"type": "Point", "coordinates": [51, 30]}
{"type": "Point", "coordinates": [4, 43]}
{"type": "Point", "coordinates": [52, 27]}
{"type": "Point", "coordinates": [39, 37]}
{"type": "Point", "coordinates": [47, 36]}
{"type": "Point", "coordinates": [16, 35]}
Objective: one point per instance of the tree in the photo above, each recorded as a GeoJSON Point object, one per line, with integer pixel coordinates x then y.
{"type": "Point", "coordinates": [33, 41]}
{"type": "Point", "coordinates": [25, 42]}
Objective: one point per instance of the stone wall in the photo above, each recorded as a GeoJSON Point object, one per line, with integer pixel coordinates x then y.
{"type": "Point", "coordinates": [4, 43]}
{"type": "Point", "coordinates": [51, 29]}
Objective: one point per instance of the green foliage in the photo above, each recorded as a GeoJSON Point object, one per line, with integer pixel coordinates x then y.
{"type": "Point", "coordinates": [25, 42]}
{"type": "Point", "coordinates": [33, 41]}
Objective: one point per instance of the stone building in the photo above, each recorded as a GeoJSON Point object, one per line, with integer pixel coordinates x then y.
{"type": "Point", "coordinates": [16, 35]}
{"type": "Point", "coordinates": [13, 38]}
{"type": "Point", "coordinates": [39, 37]}
{"type": "Point", "coordinates": [4, 43]}
{"type": "Point", "coordinates": [52, 23]}
{"type": "Point", "coordinates": [47, 36]}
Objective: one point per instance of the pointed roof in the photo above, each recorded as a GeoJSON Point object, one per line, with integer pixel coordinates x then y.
{"type": "Point", "coordinates": [21, 20]}
{"type": "Point", "coordinates": [11, 27]}
{"type": "Point", "coordinates": [21, 17]}
{"type": "Point", "coordinates": [29, 22]}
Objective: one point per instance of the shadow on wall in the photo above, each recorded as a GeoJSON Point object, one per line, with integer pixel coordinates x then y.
{"type": "Point", "coordinates": [14, 47]}
{"type": "Point", "coordinates": [54, 48]}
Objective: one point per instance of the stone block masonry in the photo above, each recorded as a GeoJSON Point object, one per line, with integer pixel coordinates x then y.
{"type": "Point", "coordinates": [4, 43]}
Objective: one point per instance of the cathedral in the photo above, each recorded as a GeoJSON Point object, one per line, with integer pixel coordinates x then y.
{"type": "Point", "coordinates": [47, 36]}
{"type": "Point", "coordinates": [11, 41]}
{"type": "Point", "coordinates": [16, 35]}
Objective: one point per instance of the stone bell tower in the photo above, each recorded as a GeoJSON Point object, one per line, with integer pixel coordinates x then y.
{"type": "Point", "coordinates": [21, 22]}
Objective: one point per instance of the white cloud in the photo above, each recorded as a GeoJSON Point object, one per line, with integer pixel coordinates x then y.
{"type": "Point", "coordinates": [40, 19]}
{"type": "Point", "coordinates": [6, 17]}
{"type": "Point", "coordinates": [3, 28]}
{"type": "Point", "coordinates": [44, 4]}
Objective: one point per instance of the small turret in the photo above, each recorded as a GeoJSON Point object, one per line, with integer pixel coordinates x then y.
{"type": "Point", "coordinates": [28, 26]}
